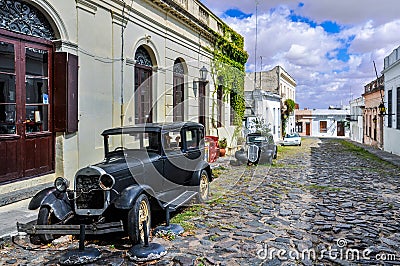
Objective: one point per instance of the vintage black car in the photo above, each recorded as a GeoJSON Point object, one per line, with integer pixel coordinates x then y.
{"type": "Point", "coordinates": [259, 148]}
{"type": "Point", "coordinates": [146, 167]}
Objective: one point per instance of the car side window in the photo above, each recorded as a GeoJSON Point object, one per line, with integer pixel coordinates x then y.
{"type": "Point", "coordinates": [172, 142]}
{"type": "Point", "coordinates": [192, 139]}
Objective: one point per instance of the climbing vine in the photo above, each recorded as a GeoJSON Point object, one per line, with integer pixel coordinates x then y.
{"type": "Point", "coordinates": [290, 106]}
{"type": "Point", "coordinates": [227, 71]}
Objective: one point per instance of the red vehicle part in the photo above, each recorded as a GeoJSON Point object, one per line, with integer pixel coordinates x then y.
{"type": "Point", "coordinates": [213, 149]}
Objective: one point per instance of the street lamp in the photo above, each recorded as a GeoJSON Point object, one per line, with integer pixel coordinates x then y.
{"type": "Point", "coordinates": [382, 109]}
{"type": "Point", "coordinates": [203, 73]}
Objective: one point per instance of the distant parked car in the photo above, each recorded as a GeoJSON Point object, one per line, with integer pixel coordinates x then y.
{"type": "Point", "coordinates": [146, 167]}
{"type": "Point", "coordinates": [259, 148]}
{"type": "Point", "coordinates": [293, 139]}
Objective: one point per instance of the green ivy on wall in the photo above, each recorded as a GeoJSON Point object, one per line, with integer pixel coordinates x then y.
{"type": "Point", "coordinates": [228, 70]}
{"type": "Point", "coordinates": [290, 106]}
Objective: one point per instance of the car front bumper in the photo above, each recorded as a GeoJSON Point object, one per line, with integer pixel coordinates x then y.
{"type": "Point", "coordinates": [32, 228]}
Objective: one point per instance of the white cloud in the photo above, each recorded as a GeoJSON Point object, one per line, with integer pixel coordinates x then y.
{"type": "Point", "coordinates": [369, 30]}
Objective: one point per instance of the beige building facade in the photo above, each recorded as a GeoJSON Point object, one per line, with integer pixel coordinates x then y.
{"type": "Point", "coordinates": [373, 121]}
{"type": "Point", "coordinates": [95, 65]}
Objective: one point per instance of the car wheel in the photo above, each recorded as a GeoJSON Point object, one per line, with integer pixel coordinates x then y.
{"type": "Point", "coordinates": [136, 216]}
{"type": "Point", "coordinates": [45, 217]}
{"type": "Point", "coordinates": [204, 187]}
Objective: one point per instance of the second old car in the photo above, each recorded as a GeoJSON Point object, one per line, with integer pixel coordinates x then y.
{"type": "Point", "coordinates": [146, 167]}
{"type": "Point", "coordinates": [260, 148]}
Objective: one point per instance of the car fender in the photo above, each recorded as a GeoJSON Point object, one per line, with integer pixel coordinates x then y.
{"type": "Point", "coordinates": [128, 196]}
{"type": "Point", "coordinates": [203, 165]}
{"type": "Point", "coordinates": [37, 200]}
{"type": "Point", "coordinates": [59, 203]}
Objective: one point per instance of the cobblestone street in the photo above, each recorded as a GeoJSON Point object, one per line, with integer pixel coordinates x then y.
{"type": "Point", "coordinates": [326, 202]}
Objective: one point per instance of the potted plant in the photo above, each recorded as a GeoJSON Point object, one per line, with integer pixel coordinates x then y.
{"type": "Point", "coordinates": [222, 147]}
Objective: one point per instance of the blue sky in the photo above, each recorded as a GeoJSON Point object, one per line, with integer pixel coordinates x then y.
{"type": "Point", "coordinates": [327, 46]}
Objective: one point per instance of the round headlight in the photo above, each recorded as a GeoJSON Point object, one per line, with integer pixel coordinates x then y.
{"type": "Point", "coordinates": [61, 184]}
{"type": "Point", "coordinates": [106, 181]}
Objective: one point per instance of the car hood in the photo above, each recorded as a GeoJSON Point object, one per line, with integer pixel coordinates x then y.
{"type": "Point", "coordinates": [132, 161]}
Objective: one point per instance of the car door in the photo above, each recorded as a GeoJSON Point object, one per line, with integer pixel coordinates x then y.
{"type": "Point", "coordinates": [192, 146]}
{"type": "Point", "coordinates": [174, 160]}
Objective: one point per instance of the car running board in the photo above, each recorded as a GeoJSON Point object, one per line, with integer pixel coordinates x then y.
{"type": "Point", "coordinates": [176, 203]}
{"type": "Point", "coordinates": [180, 200]}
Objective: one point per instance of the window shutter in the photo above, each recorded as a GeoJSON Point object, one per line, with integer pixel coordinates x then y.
{"type": "Point", "coordinates": [65, 92]}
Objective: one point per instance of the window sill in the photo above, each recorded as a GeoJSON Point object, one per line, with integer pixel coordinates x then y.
{"type": "Point", "coordinates": [9, 136]}
{"type": "Point", "coordinates": [38, 134]}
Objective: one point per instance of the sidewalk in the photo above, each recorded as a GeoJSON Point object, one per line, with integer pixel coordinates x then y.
{"type": "Point", "coordinates": [384, 155]}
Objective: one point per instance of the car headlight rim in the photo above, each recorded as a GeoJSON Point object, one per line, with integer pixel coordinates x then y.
{"type": "Point", "coordinates": [106, 182]}
{"type": "Point", "coordinates": [61, 184]}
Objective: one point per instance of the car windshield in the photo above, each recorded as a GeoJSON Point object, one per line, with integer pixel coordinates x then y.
{"type": "Point", "coordinates": [293, 135]}
{"type": "Point", "coordinates": [148, 141]}
{"type": "Point", "coordinates": [260, 139]}
{"type": "Point", "coordinates": [255, 139]}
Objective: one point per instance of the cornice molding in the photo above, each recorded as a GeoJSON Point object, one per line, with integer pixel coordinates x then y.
{"type": "Point", "coordinates": [87, 6]}
{"type": "Point", "coordinates": [118, 19]}
{"type": "Point", "coordinates": [130, 62]}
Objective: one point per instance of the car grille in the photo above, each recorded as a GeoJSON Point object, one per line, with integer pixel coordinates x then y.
{"type": "Point", "coordinates": [89, 195]}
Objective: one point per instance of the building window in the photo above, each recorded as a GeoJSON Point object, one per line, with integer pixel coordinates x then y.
{"type": "Point", "coordinates": [369, 126]}
{"type": "Point", "coordinates": [274, 120]}
{"type": "Point", "coordinates": [232, 101]}
{"type": "Point", "coordinates": [178, 91]}
{"type": "Point", "coordinates": [23, 18]}
{"type": "Point", "coordinates": [299, 127]}
{"type": "Point", "coordinates": [398, 108]}
{"type": "Point", "coordinates": [323, 126]}
{"type": "Point", "coordinates": [390, 107]}
{"type": "Point", "coordinates": [143, 86]}
{"type": "Point", "coordinates": [219, 105]}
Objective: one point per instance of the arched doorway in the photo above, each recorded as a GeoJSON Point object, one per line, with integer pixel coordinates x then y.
{"type": "Point", "coordinates": [26, 56]}
{"type": "Point", "coordinates": [143, 86]}
{"type": "Point", "coordinates": [178, 91]}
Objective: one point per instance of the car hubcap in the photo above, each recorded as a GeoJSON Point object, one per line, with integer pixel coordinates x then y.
{"type": "Point", "coordinates": [204, 186]}
{"type": "Point", "coordinates": [143, 216]}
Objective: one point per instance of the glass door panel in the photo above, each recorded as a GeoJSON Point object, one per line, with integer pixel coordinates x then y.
{"type": "Point", "coordinates": [7, 89]}
{"type": "Point", "coordinates": [37, 91]}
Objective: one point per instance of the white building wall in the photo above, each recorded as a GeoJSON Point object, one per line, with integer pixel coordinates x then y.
{"type": "Point", "coordinates": [356, 122]}
{"type": "Point", "coordinates": [391, 135]}
{"type": "Point", "coordinates": [332, 117]}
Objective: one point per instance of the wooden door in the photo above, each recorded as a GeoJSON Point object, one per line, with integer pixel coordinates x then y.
{"type": "Point", "coordinates": [308, 129]}
{"type": "Point", "coordinates": [26, 138]}
{"type": "Point", "coordinates": [340, 129]}
{"type": "Point", "coordinates": [178, 94]}
{"type": "Point", "coordinates": [202, 103]}
{"type": "Point", "coordinates": [143, 94]}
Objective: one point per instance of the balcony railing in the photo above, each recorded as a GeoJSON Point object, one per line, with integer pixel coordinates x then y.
{"type": "Point", "coordinates": [182, 3]}
{"type": "Point", "coordinates": [203, 15]}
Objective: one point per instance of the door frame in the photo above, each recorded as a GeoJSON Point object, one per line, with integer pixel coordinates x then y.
{"type": "Point", "coordinates": [21, 138]}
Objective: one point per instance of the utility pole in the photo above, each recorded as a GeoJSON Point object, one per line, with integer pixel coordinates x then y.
{"type": "Point", "coordinates": [261, 68]}
{"type": "Point", "coordinates": [255, 49]}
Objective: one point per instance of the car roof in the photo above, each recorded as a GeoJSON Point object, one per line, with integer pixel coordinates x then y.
{"type": "Point", "coordinates": [150, 127]}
